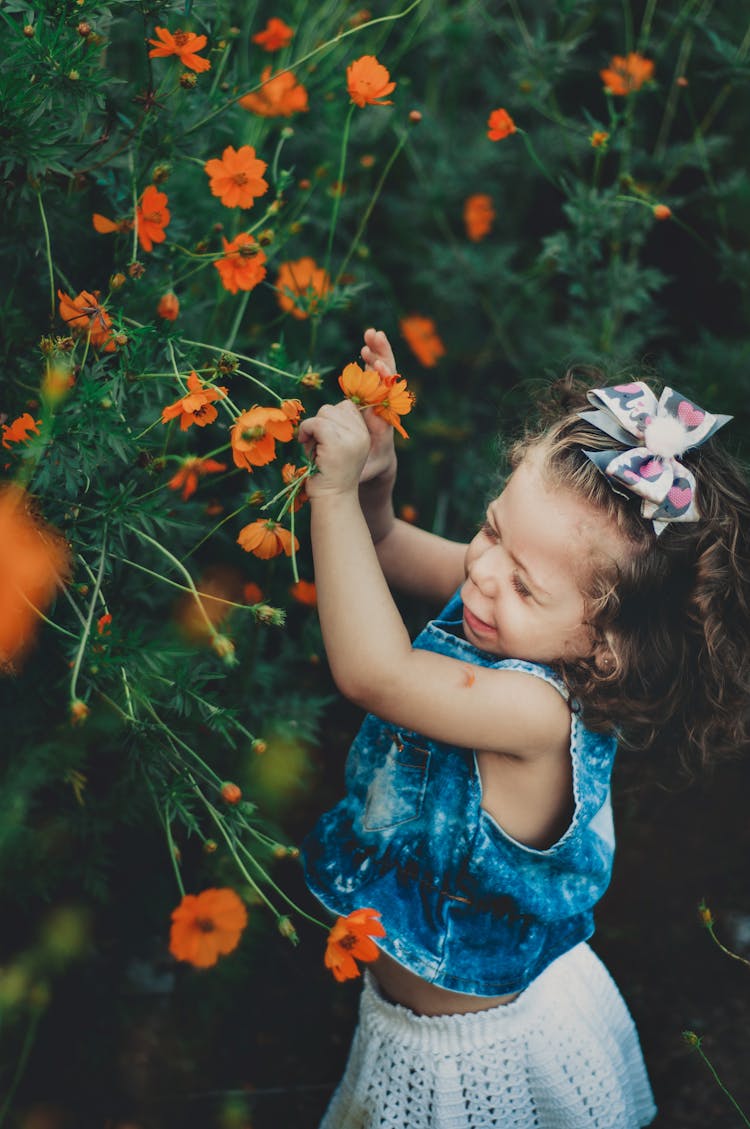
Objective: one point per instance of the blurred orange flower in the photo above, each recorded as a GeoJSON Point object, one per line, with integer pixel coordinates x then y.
{"type": "Point", "coordinates": [20, 429]}
{"type": "Point", "coordinates": [254, 436]}
{"type": "Point", "coordinates": [280, 96]}
{"type": "Point", "coordinates": [499, 125]}
{"type": "Point", "coordinates": [85, 316]}
{"type": "Point", "coordinates": [34, 560]}
{"type": "Point", "coordinates": [275, 35]}
{"type": "Point", "coordinates": [423, 339]}
{"type": "Point", "coordinates": [252, 593]}
{"type": "Point", "coordinates": [169, 306]}
{"type": "Point", "coordinates": [304, 593]}
{"type": "Point", "coordinates": [218, 588]}
{"type": "Point", "coordinates": [153, 216]}
{"type": "Point", "coordinates": [368, 82]}
{"type": "Point", "coordinates": [301, 286]}
{"type": "Point", "coordinates": [661, 211]}
{"type": "Point", "coordinates": [183, 44]}
{"type": "Point", "coordinates": [479, 216]}
{"type": "Point", "coordinates": [237, 176]}
{"type": "Point", "coordinates": [106, 226]}
{"type": "Point", "coordinates": [206, 926]}
{"type": "Point", "coordinates": [397, 402]}
{"type": "Point", "coordinates": [627, 73]}
{"type": "Point", "coordinates": [350, 940]}
{"type": "Point", "coordinates": [598, 139]}
{"type": "Point", "coordinates": [266, 539]}
{"type": "Point", "coordinates": [362, 386]}
{"type": "Point", "coordinates": [197, 406]}
{"type": "Point", "coordinates": [243, 265]}
{"type": "Point", "coordinates": [104, 624]}
{"type": "Point", "coordinates": [190, 473]}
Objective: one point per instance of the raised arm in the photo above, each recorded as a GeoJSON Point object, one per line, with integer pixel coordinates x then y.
{"type": "Point", "coordinates": [413, 560]}
{"type": "Point", "coordinates": [368, 646]}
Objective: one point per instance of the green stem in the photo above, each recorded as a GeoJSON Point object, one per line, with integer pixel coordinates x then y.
{"type": "Point", "coordinates": [89, 617]}
{"type": "Point", "coordinates": [535, 158]}
{"type": "Point", "coordinates": [48, 249]}
{"type": "Point", "coordinates": [180, 566]}
{"type": "Point", "coordinates": [22, 1061]}
{"type": "Point", "coordinates": [338, 191]}
{"type": "Point", "coordinates": [237, 321]}
{"type": "Point", "coordinates": [695, 1042]}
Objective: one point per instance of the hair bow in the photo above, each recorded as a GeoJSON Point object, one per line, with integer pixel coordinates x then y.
{"type": "Point", "coordinates": [665, 429]}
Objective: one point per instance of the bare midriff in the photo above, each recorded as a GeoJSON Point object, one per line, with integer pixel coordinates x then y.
{"type": "Point", "coordinates": [401, 986]}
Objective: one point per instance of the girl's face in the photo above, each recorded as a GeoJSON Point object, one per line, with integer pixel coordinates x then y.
{"type": "Point", "coordinates": [529, 566]}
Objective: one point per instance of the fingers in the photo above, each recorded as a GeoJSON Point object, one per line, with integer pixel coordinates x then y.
{"type": "Point", "coordinates": [377, 353]}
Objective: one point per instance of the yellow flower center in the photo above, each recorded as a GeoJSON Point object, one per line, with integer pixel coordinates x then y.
{"type": "Point", "coordinates": [250, 434]}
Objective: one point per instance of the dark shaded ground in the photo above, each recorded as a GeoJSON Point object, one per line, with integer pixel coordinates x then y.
{"type": "Point", "coordinates": [263, 1048]}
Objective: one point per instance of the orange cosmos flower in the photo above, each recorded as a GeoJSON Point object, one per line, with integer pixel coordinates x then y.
{"type": "Point", "coordinates": [190, 472]}
{"type": "Point", "coordinates": [292, 409]}
{"type": "Point", "coordinates": [254, 436]}
{"type": "Point", "coordinates": [266, 539]}
{"type": "Point", "coordinates": [252, 593]}
{"type": "Point", "coordinates": [20, 429]}
{"type": "Point", "coordinates": [479, 216]}
{"type": "Point", "coordinates": [197, 406]}
{"type": "Point", "coordinates": [598, 139]}
{"type": "Point", "coordinates": [423, 339]}
{"type": "Point", "coordinates": [237, 176]}
{"type": "Point", "coordinates": [278, 97]}
{"type": "Point", "coordinates": [301, 286]}
{"type": "Point", "coordinates": [397, 402]}
{"type": "Point", "coordinates": [106, 226]}
{"type": "Point", "coordinates": [275, 35]}
{"type": "Point", "coordinates": [153, 216]}
{"type": "Point", "coordinates": [85, 316]}
{"type": "Point", "coordinates": [367, 82]}
{"type": "Point", "coordinates": [626, 74]}
{"type": "Point", "coordinates": [499, 125]}
{"type": "Point", "coordinates": [169, 306]}
{"type": "Point", "coordinates": [183, 44]}
{"type": "Point", "coordinates": [34, 560]}
{"type": "Point", "coordinates": [350, 940]}
{"type": "Point", "coordinates": [304, 593]}
{"type": "Point", "coordinates": [362, 386]}
{"type": "Point", "coordinates": [206, 926]}
{"type": "Point", "coordinates": [243, 264]}
{"type": "Point", "coordinates": [289, 473]}
{"type": "Point", "coordinates": [104, 624]}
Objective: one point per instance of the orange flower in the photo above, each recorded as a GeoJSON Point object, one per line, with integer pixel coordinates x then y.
{"type": "Point", "coordinates": [85, 316]}
{"type": "Point", "coordinates": [104, 624]}
{"type": "Point", "coordinates": [183, 44]}
{"type": "Point", "coordinates": [598, 139]}
{"type": "Point", "coordinates": [231, 793]}
{"type": "Point", "coordinates": [197, 406]}
{"type": "Point", "coordinates": [280, 96]}
{"type": "Point", "coordinates": [367, 82]}
{"type": "Point", "coordinates": [34, 560]}
{"type": "Point", "coordinates": [661, 211]}
{"type": "Point", "coordinates": [397, 402]}
{"type": "Point", "coordinates": [169, 306]}
{"type": "Point", "coordinates": [190, 472]}
{"type": "Point", "coordinates": [106, 226]}
{"type": "Point", "coordinates": [252, 593]}
{"type": "Point", "coordinates": [243, 265]}
{"type": "Point", "coordinates": [479, 216]}
{"type": "Point", "coordinates": [304, 593]}
{"type": "Point", "coordinates": [275, 35]}
{"type": "Point", "coordinates": [254, 436]}
{"type": "Point", "coordinates": [206, 926]}
{"type": "Point", "coordinates": [292, 409]}
{"type": "Point", "coordinates": [626, 74]}
{"type": "Point", "coordinates": [266, 539]}
{"type": "Point", "coordinates": [423, 339]}
{"type": "Point", "coordinates": [20, 429]}
{"type": "Point", "coordinates": [153, 216]}
{"type": "Point", "coordinates": [289, 474]}
{"type": "Point", "coordinates": [237, 176]}
{"type": "Point", "coordinates": [301, 286]}
{"type": "Point", "coordinates": [499, 125]}
{"type": "Point", "coordinates": [362, 386]}
{"type": "Point", "coordinates": [350, 938]}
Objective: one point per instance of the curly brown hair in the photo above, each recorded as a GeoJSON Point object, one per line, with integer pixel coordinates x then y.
{"type": "Point", "coordinates": [673, 617]}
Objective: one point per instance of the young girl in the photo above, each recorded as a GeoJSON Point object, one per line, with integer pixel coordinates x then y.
{"type": "Point", "coordinates": [608, 585]}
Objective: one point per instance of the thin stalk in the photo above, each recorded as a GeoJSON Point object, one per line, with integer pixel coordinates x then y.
{"type": "Point", "coordinates": [23, 1059]}
{"type": "Point", "coordinates": [89, 617]}
{"type": "Point", "coordinates": [338, 191]}
{"type": "Point", "coordinates": [237, 321]}
{"type": "Point", "coordinates": [48, 251]}
{"type": "Point", "coordinates": [180, 566]}
{"type": "Point", "coordinates": [694, 1041]}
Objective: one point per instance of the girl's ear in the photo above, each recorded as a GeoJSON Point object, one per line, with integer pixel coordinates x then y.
{"type": "Point", "coordinates": [605, 659]}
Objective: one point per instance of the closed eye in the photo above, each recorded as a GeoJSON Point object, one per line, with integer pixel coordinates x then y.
{"type": "Point", "coordinates": [489, 531]}
{"type": "Point", "coordinates": [519, 586]}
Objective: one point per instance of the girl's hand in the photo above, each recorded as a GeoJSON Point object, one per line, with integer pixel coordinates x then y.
{"type": "Point", "coordinates": [377, 353]}
{"type": "Point", "coordinates": [338, 440]}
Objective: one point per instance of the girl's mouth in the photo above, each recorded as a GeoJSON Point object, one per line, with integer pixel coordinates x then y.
{"type": "Point", "coordinates": [476, 625]}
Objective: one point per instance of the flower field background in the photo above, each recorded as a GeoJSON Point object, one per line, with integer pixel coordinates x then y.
{"type": "Point", "coordinates": [205, 204]}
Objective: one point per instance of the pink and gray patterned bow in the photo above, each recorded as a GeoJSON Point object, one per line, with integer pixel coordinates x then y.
{"type": "Point", "coordinates": [664, 429]}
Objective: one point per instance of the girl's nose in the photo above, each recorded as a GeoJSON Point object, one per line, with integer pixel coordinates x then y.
{"type": "Point", "coordinates": [486, 569]}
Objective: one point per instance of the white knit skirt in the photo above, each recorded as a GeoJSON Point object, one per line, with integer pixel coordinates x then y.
{"type": "Point", "coordinates": [563, 1055]}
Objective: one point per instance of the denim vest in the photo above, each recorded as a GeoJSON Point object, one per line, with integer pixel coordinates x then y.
{"type": "Point", "coordinates": [464, 905]}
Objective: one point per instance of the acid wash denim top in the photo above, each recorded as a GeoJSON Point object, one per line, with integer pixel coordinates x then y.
{"type": "Point", "coordinates": [464, 905]}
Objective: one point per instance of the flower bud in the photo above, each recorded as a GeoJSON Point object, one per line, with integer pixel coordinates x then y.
{"type": "Point", "coordinates": [188, 80]}
{"type": "Point", "coordinates": [258, 746]}
{"type": "Point", "coordinates": [117, 281]}
{"type": "Point", "coordinates": [230, 793]}
{"type": "Point", "coordinates": [29, 31]}
{"type": "Point", "coordinates": [286, 929]}
{"type": "Point", "coordinates": [79, 711]}
{"type": "Point", "coordinates": [661, 212]}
